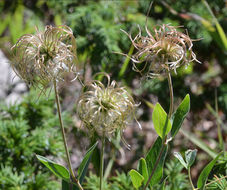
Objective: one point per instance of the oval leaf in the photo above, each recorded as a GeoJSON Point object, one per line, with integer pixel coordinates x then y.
{"type": "Point", "coordinates": [180, 158]}
{"type": "Point", "coordinates": [142, 167]}
{"type": "Point", "coordinates": [161, 122]}
{"type": "Point", "coordinates": [190, 156]}
{"type": "Point", "coordinates": [180, 114]}
{"type": "Point", "coordinates": [205, 173]}
{"type": "Point", "coordinates": [151, 159]}
{"type": "Point", "coordinates": [136, 178]}
{"type": "Point", "coordinates": [57, 169]}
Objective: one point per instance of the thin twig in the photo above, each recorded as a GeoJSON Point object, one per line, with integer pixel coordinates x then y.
{"type": "Point", "coordinates": [190, 179]}
{"type": "Point", "coordinates": [218, 124]}
{"type": "Point", "coordinates": [164, 140]}
{"type": "Point", "coordinates": [102, 161]}
{"type": "Point", "coordinates": [155, 166]}
{"type": "Point", "coordinates": [63, 136]}
{"type": "Point", "coordinates": [171, 94]}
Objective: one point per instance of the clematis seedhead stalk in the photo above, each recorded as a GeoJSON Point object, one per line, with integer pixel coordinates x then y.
{"type": "Point", "coordinates": [105, 109]}
{"type": "Point", "coordinates": [163, 50]}
{"type": "Point", "coordinates": [45, 56]}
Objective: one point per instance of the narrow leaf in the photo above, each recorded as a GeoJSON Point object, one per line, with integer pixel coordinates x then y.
{"type": "Point", "coordinates": [180, 114]}
{"type": "Point", "coordinates": [84, 164]}
{"type": "Point", "coordinates": [161, 122]}
{"type": "Point", "coordinates": [205, 173]}
{"type": "Point", "coordinates": [136, 178]}
{"type": "Point", "coordinates": [57, 169]}
{"type": "Point", "coordinates": [220, 30]}
{"type": "Point", "coordinates": [126, 62]}
{"type": "Point", "coordinates": [151, 159]}
{"type": "Point", "coordinates": [180, 158]}
{"type": "Point", "coordinates": [142, 167]}
{"type": "Point", "coordinates": [190, 156]}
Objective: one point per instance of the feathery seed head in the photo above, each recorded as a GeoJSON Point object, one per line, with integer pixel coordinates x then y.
{"type": "Point", "coordinates": [45, 56]}
{"type": "Point", "coordinates": [165, 50]}
{"type": "Point", "coordinates": [105, 109]}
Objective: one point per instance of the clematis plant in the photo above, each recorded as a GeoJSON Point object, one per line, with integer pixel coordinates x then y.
{"type": "Point", "coordinates": [105, 110]}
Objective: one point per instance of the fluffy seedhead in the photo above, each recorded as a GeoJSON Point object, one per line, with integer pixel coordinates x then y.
{"type": "Point", "coordinates": [162, 50]}
{"type": "Point", "coordinates": [105, 109]}
{"type": "Point", "coordinates": [45, 56]}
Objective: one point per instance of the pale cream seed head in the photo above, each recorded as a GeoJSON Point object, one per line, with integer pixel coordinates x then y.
{"type": "Point", "coordinates": [162, 50]}
{"type": "Point", "coordinates": [45, 56]}
{"type": "Point", "coordinates": [105, 109]}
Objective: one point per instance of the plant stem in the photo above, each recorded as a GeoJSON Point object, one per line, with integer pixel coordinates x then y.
{"type": "Point", "coordinates": [155, 165]}
{"type": "Point", "coordinates": [171, 94]}
{"type": "Point", "coordinates": [102, 161]}
{"type": "Point", "coordinates": [63, 136]}
{"type": "Point", "coordinates": [164, 140]}
{"type": "Point", "coordinates": [109, 166]}
{"type": "Point", "coordinates": [220, 139]}
{"type": "Point", "coordinates": [190, 179]}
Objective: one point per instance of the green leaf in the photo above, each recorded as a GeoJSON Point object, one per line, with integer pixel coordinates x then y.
{"type": "Point", "coordinates": [180, 114]}
{"type": "Point", "coordinates": [5, 23]}
{"type": "Point", "coordinates": [161, 122]}
{"type": "Point", "coordinates": [151, 159]}
{"type": "Point", "coordinates": [221, 33]}
{"type": "Point", "coordinates": [142, 167]}
{"type": "Point", "coordinates": [84, 164]}
{"type": "Point", "coordinates": [136, 178]}
{"type": "Point", "coordinates": [57, 169]}
{"type": "Point", "coordinates": [180, 158]}
{"type": "Point", "coordinates": [190, 156]}
{"type": "Point", "coordinates": [65, 185]}
{"type": "Point", "coordinates": [205, 173]}
{"type": "Point", "coordinates": [68, 186]}
{"type": "Point", "coordinates": [162, 186]}
{"type": "Point", "coordinates": [126, 62]}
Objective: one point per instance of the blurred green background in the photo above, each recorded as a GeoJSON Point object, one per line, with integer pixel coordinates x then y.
{"type": "Point", "coordinates": [96, 26]}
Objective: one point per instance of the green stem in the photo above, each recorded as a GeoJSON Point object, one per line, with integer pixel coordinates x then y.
{"type": "Point", "coordinates": [155, 165]}
{"type": "Point", "coordinates": [164, 140]}
{"type": "Point", "coordinates": [190, 179]}
{"type": "Point", "coordinates": [171, 95]}
{"type": "Point", "coordinates": [109, 166]}
{"type": "Point", "coordinates": [220, 139]}
{"type": "Point", "coordinates": [102, 161]}
{"type": "Point", "coordinates": [63, 136]}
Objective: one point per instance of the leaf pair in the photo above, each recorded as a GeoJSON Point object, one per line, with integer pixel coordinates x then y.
{"type": "Point", "coordinates": [190, 158]}
{"type": "Point", "coordinates": [158, 152]}
{"type": "Point", "coordinates": [161, 122]}
{"type": "Point", "coordinates": [147, 166]}
{"type": "Point", "coordinates": [63, 173]}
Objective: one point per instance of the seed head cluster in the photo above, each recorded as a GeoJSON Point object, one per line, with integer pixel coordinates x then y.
{"type": "Point", "coordinates": [45, 56]}
{"type": "Point", "coordinates": [163, 50]}
{"type": "Point", "coordinates": [105, 109]}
